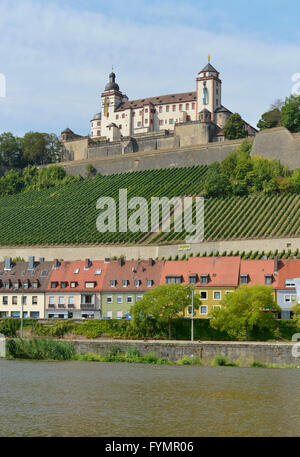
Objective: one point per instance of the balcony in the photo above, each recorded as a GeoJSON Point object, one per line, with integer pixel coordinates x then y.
{"type": "Point", "coordinates": [88, 306]}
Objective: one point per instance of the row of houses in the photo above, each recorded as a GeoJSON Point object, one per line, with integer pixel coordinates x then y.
{"type": "Point", "coordinates": [108, 288]}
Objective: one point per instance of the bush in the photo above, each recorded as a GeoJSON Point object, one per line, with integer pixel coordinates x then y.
{"type": "Point", "coordinates": [222, 361]}
{"type": "Point", "coordinates": [9, 327]}
{"type": "Point", "coordinates": [40, 349]}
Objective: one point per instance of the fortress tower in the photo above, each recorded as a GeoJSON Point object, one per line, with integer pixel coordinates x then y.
{"type": "Point", "coordinates": [208, 90]}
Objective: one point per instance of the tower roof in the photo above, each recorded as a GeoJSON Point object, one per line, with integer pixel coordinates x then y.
{"type": "Point", "coordinates": [112, 85]}
{"type": "Point", "coordinates": [209, 67]}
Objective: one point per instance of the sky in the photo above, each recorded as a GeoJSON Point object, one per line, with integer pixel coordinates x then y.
{"type": "Point", "coordinates": [56, 55]}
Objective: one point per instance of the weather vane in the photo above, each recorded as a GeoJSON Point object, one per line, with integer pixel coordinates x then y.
{"type": "Point", "coordinates": [208, 57]}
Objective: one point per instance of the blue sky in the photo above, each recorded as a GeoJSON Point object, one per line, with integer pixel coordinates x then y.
{"type": "Point", "coordinates": [56, 55]}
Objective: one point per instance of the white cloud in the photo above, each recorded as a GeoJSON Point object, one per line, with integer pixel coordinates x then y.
{"type": "Point", "coordinates": [56, 60]}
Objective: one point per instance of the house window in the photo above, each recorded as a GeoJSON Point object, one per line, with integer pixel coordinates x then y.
{"type": "Point", "coordinates": [34, 300]}
{"type": "Point", "coordinates": [180, 107]}
{"type": "Point", "coordinates": [113, 283]}
{"type": "Point", "coordinates": [136, 282]}
{"type": "Point", "coordinates": [203, 309]}
{"type": "Point", "coordinates": [73, 284]}
{"type": "Point", "coordinates": [51, 301]}
{"type": "Point", "coordinates": [7, 285]}
{"type": "Point", "coordinates": [146, 110]}
{"type": "Point", "coordinates": [204, 279]}
{"type": "Point", "coordinates": [129, 299]}
{"type": "Point", "coordinates": [125, 282]}
{"type": "Point", "coordinates": [174, 107]}
{"type": "Point", "coordinates": [34, 314]}
{"type": "Point", "coordinates": [76, 271]}
{"type": "Point", "coordinates": [146, 121]}
{"type": "Point", "coordinates": [89, 285]}
{"type": "Point", "coordinates": [15, 300]}
{"type": "Point", "coordinates": [173, 279]}
{"type": "Point", "coordinates": [139, 297]}
{"type": "Point", "coordinates": [119, 314]}
{"type": "Point", "coordinates": [35, 284]}
{"type": "Point", "coordinates": [117, 116]}
{"type": "Point", "coordinates": [161, 122]}
{"type": "Point", "coordinates": [98, 132]}
{"type": "Point", "coordinates": [26, 285]}
{"type": "Point", "coordinates": [190, 309]}
{"type": "Point", "coordinates": [193, 105]}
{"type": "Point", "coordinates": [187, 106]}
{"type": "Point", "coordinates": [98, 272]}
{"type": "Point", "coordinates": [167, 109]}
{"type": "Point", "coordinates": [109, 314]}
{"type": "Point", "coordinates": [119, 299]}
{"type": "Point", "coordinates": [123, 115]}
{"type": "Point", "coordinates": [244, 279]}
{"type": "Point", "coordinates": [24, 299]}
{"type": "Point", "coordinates": [63, 285]}
{"type": "Point", "coordinates": [139, 123]}
{"type": "Point", "coordinates": [98, 123]}
{"type": "Point", "coordinates": [192, 279]}
{"type": "Point", "coordinates": [109, 299]}
{"type": "Point", "coordinates": [16, 285]}
{"type": "Point", "coordinates": [287, 298]}
{"type": "Point", "coordinates": [217, 295]}
{"type": "Point", "coordinates": [160, 109]}
{"type": "Point", "coordinates": [268, 279]}
{"type": "Point", "coordinates": [61, 300]}
{"type": "Point", "coordinates": [171, 121]}
{"type": "Point", "coordinates": [53, 284]}
{"type": "Point", "coordinates": [71, 300]}
{"type": "Point", "coordinates": [5, 300]}
{"type": "Point", "coordinates": [203, 295]}
{"type": "Point", "coordinates": [149, 282]}
{"type": "Point", "coordinates": [289, 283]}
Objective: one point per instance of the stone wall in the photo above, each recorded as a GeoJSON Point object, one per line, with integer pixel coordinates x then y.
{"type": "Point", "coordinates": [100, 252]}
{"type": "Point", "coordinates": [243, 352]}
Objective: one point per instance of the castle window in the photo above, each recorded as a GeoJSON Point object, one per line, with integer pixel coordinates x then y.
{"type": "Point", "coordinates": [171, 121]}
{"type": "Point", "coordinates": [139, 123]}
{"type": "Point", "coordinates": [217, 101]}
{"type": "Point", "coordinates": [146, 110]}
{"type": "Point", "coordinates": [180, 107]}
{"type": "Point", "coordinates": [133, 114]}
{"type": "Point", "coordinates": [174, 107]}
{"type": "Point", "coordinates": [120, 126]}
{"type": "Point", "coordinates": [217, 91]}
{"type": "Point", "coordinates": [193, 105]}
{"type": "Point", "coordinates": [117, 116]}
{"type": "Point", "coordinates": [98, 123]}
{"type": "Point", "coordinates": [160, 109]}
{"type": "Point", "coordinates": [123, 115]}
{"type": "Point", "coordinates": [146, 121]}
{"type": "Point", "coordinates": [187, 106]}
{"type": "Point", "coordinates": [161, 122]}
{"type": "Point", "coordinates": [167, 109]}
{"type": "Point", "coordinates": [98, 132]}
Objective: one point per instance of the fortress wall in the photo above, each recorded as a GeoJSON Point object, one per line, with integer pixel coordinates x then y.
{"type": "Point", "coordinates": [149, 160]}
{"type": "Point", "coordinates": [278, 143]}
{"type": "Point", "coordinates": [99, 252]}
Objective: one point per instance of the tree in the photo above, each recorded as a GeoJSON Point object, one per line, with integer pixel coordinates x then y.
{"type": "Point", "coordinates": [90, 171]}
{"type": "Point", "coordinates": [245, 308]}
{"type": "Point", "coordinates": [11, 150]}
{"type": "Point", "coordinates": [216, 183]}
{"type": "Point", "coordinates": [290, 113]}
{"type": "Point", "coordinates": [164, 303]}
{"type": "Point", "coordinates": [42, 148]}
{"type": "Point", "coordinates": [270, 119]}
{"type": "Point", "coordinates": [235, 128]}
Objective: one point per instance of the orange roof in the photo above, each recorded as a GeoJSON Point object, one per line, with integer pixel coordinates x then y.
{"type": "Point", "coordinates": [288, 269]}
{"type": "Point", "coordinates": [66, 273]}
{"type": "Point", "coordinates": [257, 269]}
{"type": "Point", "coordinates": [222, 271]}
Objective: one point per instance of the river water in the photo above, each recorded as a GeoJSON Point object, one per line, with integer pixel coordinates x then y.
{"type": "Point", "coordinates": [107, 399]}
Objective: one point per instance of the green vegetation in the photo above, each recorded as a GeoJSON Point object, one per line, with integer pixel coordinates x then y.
{"type": "Point", "coordinates": [163, 303]}
{"type": "Point", "coordinates": [235, 128]}
{"type": "Point", "coordinates": [222, 361]}
{"type": "Point", "coordinates": [39, 348]}
{"type": "Point", "coordinates": [34, 148]}
{"type": "Point", "coordinates": [246, 308]}
{"type": "Point", "coordinates": [285, 113]}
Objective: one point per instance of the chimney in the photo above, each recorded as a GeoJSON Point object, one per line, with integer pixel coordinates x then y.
{"type": "Point", "coordinates": [42, 259]}
{"type": "Point", "coordinates": [151, 262]}
{"type": "Point", "coordinates": [275, 265]}
{"type": "Point", "coordinates": [31, 262]}
{"type": "Point", "coordinates": [8, 264]}
{"type": "Point", "coordinates": [120, 261]}
{"type": "Point", "coordinates": [56, 263]}
{"type": "Point", "coordinates": [87, 264]}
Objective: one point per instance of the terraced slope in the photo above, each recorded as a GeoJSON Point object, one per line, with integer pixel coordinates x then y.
{"type": "Point", "coordinates": [67, 215]}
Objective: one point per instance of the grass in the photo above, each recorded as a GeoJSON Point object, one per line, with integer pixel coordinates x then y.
{"type": "Point", "coordinates": [222, 361]}
{"type": "Point", "coordinates": [39, 349]}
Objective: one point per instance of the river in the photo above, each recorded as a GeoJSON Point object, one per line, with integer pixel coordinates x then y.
{"type": "Point", "coordinates": [106, 399]}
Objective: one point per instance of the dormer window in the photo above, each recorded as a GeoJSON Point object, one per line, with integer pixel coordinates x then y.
{"type": "Point", "coordinates": [35, 284]}
{"type": "Point", "coordinates": [244, 278]}
{"type": "Point", "coordinates": [289, 283]}
{"type": "Point", "coordinates": [7, 284]}
{"type": "Point", "coordinates": [89, 285]}
{"type": "Point", "coordinates": [98, 272]}
{"type": "Point", "coordinates": [54, 284]}
{"type": "Point", "coordinates": [73, 284]}
{"type": "Point", "coordinates": [268, 279]}
{"type": "Point", "coordinates": [137, 283]}
{"type": "Point", "coordinates": [193, 279]}
{"type": "Point", "coordinates": [76, 271]}
{"type": "Point", "coordinates": [26, 284]}
{"type": "Point", "coordinates": [149, 282]}
{"type": "Point", "coordinates": [204, 279]}
{"type": "Point", "coordinates": [125, 282]}
{"type": "Point", "coordinates": [173, 279]}
{"type": "Point", "coordinates": [16, 285]}
{"type": "Point", "coordinates": [63, 284]}
{"type": "Point", "coordinates": [113, 283]}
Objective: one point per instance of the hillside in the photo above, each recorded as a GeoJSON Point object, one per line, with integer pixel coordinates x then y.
{"type": "Point", "coordinates": [67, 214]}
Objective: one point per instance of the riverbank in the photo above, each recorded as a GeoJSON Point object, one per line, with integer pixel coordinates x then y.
{"type": "Point", "coordinates": [242, 354]}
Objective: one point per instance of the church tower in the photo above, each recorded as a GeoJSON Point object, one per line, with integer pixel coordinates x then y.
{"type": "Point", "coordinates": [209, 90]}
{"type": "Point", "coordinates": [111, 98]}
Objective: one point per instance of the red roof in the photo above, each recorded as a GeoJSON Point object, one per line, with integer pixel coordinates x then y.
{"type": "Point", "coordinates": [256, 271]}
{"type": "Point", "coordinates": [288, 269]}
{"type": "Point", "coordinates": [66, 273]}
{"type": "Point", "coordinates": [160, 100]}
{"type": "Point", "coordinates": [222, 271]}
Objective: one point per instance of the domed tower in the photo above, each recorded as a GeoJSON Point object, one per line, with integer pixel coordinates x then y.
{"type": "Point", "coordinates": [111, 98]}
{"type": "Point", "coordinates": [209, 90]}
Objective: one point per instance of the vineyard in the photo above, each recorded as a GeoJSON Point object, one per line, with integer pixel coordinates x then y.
{"type": "Point", "coordinates": [68, 214]}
